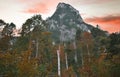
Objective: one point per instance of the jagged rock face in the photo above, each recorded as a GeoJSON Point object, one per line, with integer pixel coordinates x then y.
{"type": "Point", "coordinates": [64, 23]}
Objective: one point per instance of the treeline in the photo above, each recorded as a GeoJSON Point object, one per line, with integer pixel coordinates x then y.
{"type": "Point", "coordinates": [35, 54]}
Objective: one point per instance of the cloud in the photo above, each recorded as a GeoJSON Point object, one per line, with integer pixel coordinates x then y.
{"type": "Point", "coordinates": [27, 0]}
{"type": "Point", "coordinates": [110, 23]}
{"type": "Point", "coordinates": [105, 19]}
{"type": "Point", "coordinates": [86, 2]}
{"type": "Point", "coordinates": [40, 6]}
{"type": "Point", "coordinates": [37, 8]}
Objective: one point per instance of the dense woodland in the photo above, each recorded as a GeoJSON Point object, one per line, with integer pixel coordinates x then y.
{"type": "Point", "coordinates": [35, 54]}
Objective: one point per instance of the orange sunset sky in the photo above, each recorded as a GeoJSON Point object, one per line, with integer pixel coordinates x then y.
{"type": "Point", "coordinates": [105, 13]}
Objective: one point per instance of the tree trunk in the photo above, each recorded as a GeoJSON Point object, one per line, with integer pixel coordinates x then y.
{"type": "Point", "coordinates": [82, 58]}
{"type": "Point", "coordinates": [66, 60]}
{"type": "Point", "coordinates": [88, 53]}
{"type": "Point", "coordinates": [36, 48]}
{"type": "Point", "coordinates": [75, 57]}
{"type": "Point", "coordinates": [58, 55]}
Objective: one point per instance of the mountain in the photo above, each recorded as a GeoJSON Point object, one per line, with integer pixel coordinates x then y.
{"type": "Point", "coordinates": [65, 22]}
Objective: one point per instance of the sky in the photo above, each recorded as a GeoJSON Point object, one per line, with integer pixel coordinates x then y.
{"type": "Point", "coordinates": [105, 13]}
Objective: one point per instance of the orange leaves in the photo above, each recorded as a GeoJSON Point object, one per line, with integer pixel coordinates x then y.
{"type": "Point", "coordinates": [46, 33]}
{"type": "Point", "coordinates": [18, 64]}
{"type": "Point", "coordinates": [26, 65]}
{"type": "Point", "coordinates": [116, 59]}
{"type": "Point", "coordinates": [102, 57]}
{"type": "Point", "coordinates": [87, 35]}
{"type": "Point", "coordinates": [7, 58]}
{"type": "Point", "coordinates": [27, 68]}
{"type": "Point", "coordinates": [68, 73]}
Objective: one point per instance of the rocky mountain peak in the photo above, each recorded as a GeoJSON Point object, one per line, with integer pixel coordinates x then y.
{"type": "Point", "coordinates": [64, 10]}
{"type": "Point", "coordinates": [65, 22]}
{"type": "Point", "coordinates": [65, 6]}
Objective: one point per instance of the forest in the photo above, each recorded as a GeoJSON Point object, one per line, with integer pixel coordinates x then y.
{"type": "Point", "coordinates": [34, 53]}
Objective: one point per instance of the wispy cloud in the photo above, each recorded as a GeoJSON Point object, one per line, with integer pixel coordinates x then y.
{"type": "Point", "coordinates": [37, 8]}
{"type": "Point", "coordinates": [87, 2]}
{"type": "Point", "coordinates": [40, 6]}
{"type": "Point", "coordinates": [105, 19]}
{"type": "Point", "coordinates": [109, 22]}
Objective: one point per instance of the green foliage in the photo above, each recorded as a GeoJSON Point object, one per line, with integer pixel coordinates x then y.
{"type": "Point", "coordinates": [114, 46]}
{"type": "Point", "coordinates": [5, 43]}
{"type": "Point", "coordinates": [97, 32]}
{"type": "Point", "coordinates": [21, 44]}
{"type": "Point", "coordinates": [8, 29]}
{"type": "Point", "coordinates": [34, 22]}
